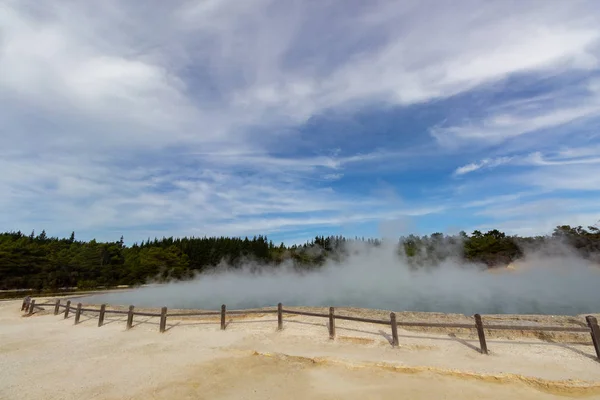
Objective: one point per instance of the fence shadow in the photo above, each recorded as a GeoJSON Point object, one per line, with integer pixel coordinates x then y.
{"type": "Point", "coordinates": [551, 344]}
{"type": "Point", "coordinates": [386, 336]}
{"type": "Point", "coordinates": [581, 353]}
{"type": "Point", "coordinates": [110, 320]}
{"type": "Point", "coordinates": [88, 318]}
{"type": "Point", "coordinates": [171, 326]}
{"type": "Point", "coordinates": [464, 342]}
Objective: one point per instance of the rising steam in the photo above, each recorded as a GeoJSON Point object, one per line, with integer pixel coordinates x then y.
{"type": "Point", "coordinates": [377, 277]}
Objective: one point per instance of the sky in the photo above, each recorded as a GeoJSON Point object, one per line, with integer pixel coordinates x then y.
{"type": "Point", "coordinates": [298, 118]}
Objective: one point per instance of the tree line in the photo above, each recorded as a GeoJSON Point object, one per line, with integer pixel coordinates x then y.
{"type": "Point", "coordinates": [47, 263]}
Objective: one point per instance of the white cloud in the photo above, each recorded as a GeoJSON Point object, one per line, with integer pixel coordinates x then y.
{"type": "Point", "coordinates": [565, 177]}
{"type": "Point", "coordinates": [537, 208]}
{"type": "Point", "coordinates": [518, 118]}
{"type": "Point", "coordinates": [333, 177]}
{"type": "Point", "coordinates": [485, 163]}
{"type": "Point", "coordinates": [505, 198]}
{"type": "Point", "coordinates": [421, 64]}
{"type": "Point", "coordinates": [566, 156]}
{"type": "Point", "coordinates": [576, 152]}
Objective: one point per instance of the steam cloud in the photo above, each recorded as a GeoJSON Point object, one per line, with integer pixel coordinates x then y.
{"type": "Point", "coordinates": [377, 277]}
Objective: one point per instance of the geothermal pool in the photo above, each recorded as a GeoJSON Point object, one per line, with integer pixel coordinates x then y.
{"type": "Point", "coordinates": [551, 286]}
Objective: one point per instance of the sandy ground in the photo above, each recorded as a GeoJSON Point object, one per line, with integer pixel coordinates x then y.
{"type": "Point", "coordinates": [45, 357]}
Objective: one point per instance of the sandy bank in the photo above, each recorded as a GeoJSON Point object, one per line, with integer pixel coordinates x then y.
{"type": "Point", "coordinates": [45, 356]}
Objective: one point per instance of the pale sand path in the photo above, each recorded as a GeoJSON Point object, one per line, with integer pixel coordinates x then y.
{"type": "Point", "coordinates": [46, 357]}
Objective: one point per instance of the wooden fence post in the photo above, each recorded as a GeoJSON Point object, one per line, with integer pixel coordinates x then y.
{"type": "Point", "coordinates": [279, 316]}
{"type": "Point", "coordinates": [595, 332]}
{"type": "Point", "coordinates": [331, 323]}
{"type": "Point", "coordinates": [101, 315]}
{"type": "Point", "coordinates": [481, 334]}
{"type": "Point", "coordinates": [31, 306]}
{"type": "Point", "coordinates": [77, 313]}
{"type": "Point", "coordinates": [130, 317]}
{"type": "Point", "coordinates": [223, 316]}
{"type": "Point", "coordinates": [163, 320]}
{"type": "Point", "coordinates": [25, 305]}
{"type": "Point", "coordinates": [68, 307]}
{"type": "Point", "coordinates": [394, 329]}
{"type": "Point", "coordinates": [56, 307]}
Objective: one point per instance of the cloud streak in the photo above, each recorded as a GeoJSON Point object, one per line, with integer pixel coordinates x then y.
{"type": "Point", "coordinates": [485, 163]}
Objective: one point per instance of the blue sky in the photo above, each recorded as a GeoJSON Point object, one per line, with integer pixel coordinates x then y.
{"type": "Point", "coordinates": [298, 118]}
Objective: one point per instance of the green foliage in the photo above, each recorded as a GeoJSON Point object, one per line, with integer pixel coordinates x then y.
{"type": "Point", "coordinates": [41, 262]}
{"type": "Point", "coordinates": [491, 248]}
{"type": "Point", "coordinates": [46, 263]}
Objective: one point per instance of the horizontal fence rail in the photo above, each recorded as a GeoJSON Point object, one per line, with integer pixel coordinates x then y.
{"type": "Point", "coordinates": [242, 312]}
{"type": "Point", "coordinates": [308, 314]}
{"type": "Point", "coordinates": [145, 314]}
{"type": "Point", "coordinates": [195, 314]}
{"type": "Point", "coordinates": [436, 325]}
{"type": "Point", "coordinates": [358, 319]}
{"type": "Point", "coordinates": [536, 328]}
{"type": "Point", "coordinates": [29, 306]}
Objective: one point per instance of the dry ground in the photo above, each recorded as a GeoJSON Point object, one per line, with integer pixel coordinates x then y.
{"type": "Point", "coordinates": [46, 357]}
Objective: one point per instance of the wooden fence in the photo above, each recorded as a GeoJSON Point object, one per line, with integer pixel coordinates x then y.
{"type": "Point", "coordinates": [592, 323]}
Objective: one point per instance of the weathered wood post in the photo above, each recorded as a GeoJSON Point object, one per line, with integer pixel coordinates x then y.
{"type": "Point", "coordinates": [595, 332]}
{"type": "Point", "coordinates": [25, 305]}
{"type": "Point", "coordinates": [331, 323]}
{"type": "Point", "coordinates": [481, 334]}
{"type": "Point", "coordinates": [279, 316]}
{"type": "Point", "coordinates": [68, 307]}
{"type": "Point", "coordinates": [130, 317]}
{"type": "Point", "coordinates": [77, 313]}
{"type": "Point", "coordinates": [395, 341]}
{"type": "Point", "coordinates": [57, 307]}
{"type": "Point", "coordinates": [163, 320]}
{"type": "Point", "coordinates": [101, 315]}
{"type": "Point", "coordinates": [223, 316]}
{"type": "Point", "coordinates": [31, 306]}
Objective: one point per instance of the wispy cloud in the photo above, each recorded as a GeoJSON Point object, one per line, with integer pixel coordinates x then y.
{"type": "Point", "coordinates": [568, 177]}
{"type": "Point", "coordinates": [518, 118]}
{"type": "Point", "coordinates": [570, 156]}
{"type": "Point", "coordinates": [485, 163]}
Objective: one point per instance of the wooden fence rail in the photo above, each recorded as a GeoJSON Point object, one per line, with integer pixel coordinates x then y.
{"type": "Point", "coordinates": [592, 324]}
{"type": "Point", "coordinates": [536, 328]}
{"type": "Point", "coordinates": [308, 314]}
{"type": "Point", "coordinates": [195, 314]}
{"type": "Point", "coordinates": [358, 319]}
